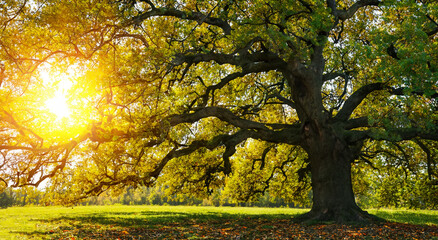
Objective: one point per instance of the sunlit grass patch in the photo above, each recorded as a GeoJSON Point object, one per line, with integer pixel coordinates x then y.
{"type": "Point", "coordinates": [40, 221]}
{"type": "Point", "coordinates": [156, 222]}
{"type": "Point", "coordinates": [423, 217]}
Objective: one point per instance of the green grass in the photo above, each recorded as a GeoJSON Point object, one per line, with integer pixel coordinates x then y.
{"type": "Point", "coordinates": [36, 222]}
{"type": "Point", "coordinates": [419, 217]}
{"type": "Point", "coordinates": [50, 222]}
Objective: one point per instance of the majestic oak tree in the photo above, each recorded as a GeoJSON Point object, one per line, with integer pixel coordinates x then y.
{"type": "Point", "coordinates": [250, 95]}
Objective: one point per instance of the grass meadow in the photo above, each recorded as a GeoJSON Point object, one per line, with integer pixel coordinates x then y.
{"type": "Point", "coordinates": [179, 222]}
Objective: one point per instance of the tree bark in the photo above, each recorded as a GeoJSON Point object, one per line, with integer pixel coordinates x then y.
{"type": "Point", "coordinates": [329, 152]}
{"type": "Point", "coordinates": [330, 158]}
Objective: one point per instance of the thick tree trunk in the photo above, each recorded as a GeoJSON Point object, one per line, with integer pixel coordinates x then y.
{"type": "Point", "coordinates": [333, 197]}
{"type": "Point", "coordinates": [329, 153]}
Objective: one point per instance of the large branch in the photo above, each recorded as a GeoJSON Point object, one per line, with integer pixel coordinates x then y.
{"type": "Point", "coordinates": [246, 61]}
{"type": "Point", "coordinates": [56, 161]}
{"type": "Point", "coordinates": [251, 68]}
{"type": "Point", "coordinates": [266, 131]}
{"type": "Point", "coordinates": [249, 61]}
{"type": "Point", "coordinates": [400, 134]}
{"type": "Point", "coordinates": [401, 92]}
{"type": "Point", "coordinates": [356, 123]}
{"type": "Point", "coordinates": [348, 13]}
{"type": "Point", "coordinates": [172, 12]}
{"type": "Point", "coordinates": [355, 99]}
{"type": "Point", "coordinates": [333, 75]}
{"type": "Point", "coordinates": [394, 134]}
{"type": "Point", "coordinates": [221, 113]}
{"type": "Point", "coordinates": [242, 56]}
{"type": "Point", "coordinates": [290, 135]}
{"type": "Point", "coordinates": [277, 133]}
{"type": "Point", "coordinates": [229, 141]}
{"type": "Point", "coordinates": [430, 161]}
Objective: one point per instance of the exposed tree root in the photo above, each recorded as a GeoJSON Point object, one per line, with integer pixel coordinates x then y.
{"type": "Point", "coordinates": [338, 215]}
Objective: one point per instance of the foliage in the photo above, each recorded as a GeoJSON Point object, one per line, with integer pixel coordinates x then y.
{"type": "Point", "coordinates": [6, 200]}
{"type": "Point", "coordinates": [245, 96]}
{"type": "Point", "coordinates": [398, 180]}
{"type": "Point", "coordinates": [26, 196]}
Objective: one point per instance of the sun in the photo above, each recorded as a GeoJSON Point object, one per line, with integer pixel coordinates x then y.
{"type": "Point", "coordinates": [58, 105]}
{"type": "Point", "coordinates": [64, 97]}
{"type": "Point", "coordinates": [58, 99]}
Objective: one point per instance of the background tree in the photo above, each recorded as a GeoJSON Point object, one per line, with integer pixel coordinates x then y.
{"type": "Point", "coordinates": [253, 95]}
{"type": "Point", "coordinates": [6, 199]}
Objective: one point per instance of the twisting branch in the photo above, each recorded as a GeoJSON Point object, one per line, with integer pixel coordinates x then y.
{"type": "Point", "coordinates": [435, 30]}
{"type": "Point", "coordinates": [274, 173]}
{"type": "Point", "coordinates": [356, 123]}
{"type": "Point", "coordinates": [283, 100]}
{"type": "Point", "coordinates": [401, 92]}
{"type": "Point", "coordinates": [263, 158]}
{"type": "Point", "coordinates": [333, 75]}
{"type": "Point", "coordinates": [251, 68]}
{"type": "Point", "coordinates": [395, 135]}
{"type": "Point", "coordinates": [15, 15]}
{"type": "Point", "coordinates": [229, 141]}
{"type": "Point", "coordinates": [280, 133]}
{"type": "Point", "coordinates": [230, 149]}
{"type": "Point", "coordinates": [245, 60]}
{"type": "Point", "coordinates": [306, 5]}
{"type": "Point", "coordinates": [250, 61]}
{"type": "Point", "coordinates": [7, 117]}
{"type": "Point", "coordinates": [172, 12]}
{"type": "Point", "coordinates": [29, 173]}
{"type": "Point", "coordinates": [349, 13]}
{"type": "Point", "coordinates": [355, 99]}
{"type": "Point", "coordinates": [221, 113]}
{"type": "Point", "coordinates": [429, 158]}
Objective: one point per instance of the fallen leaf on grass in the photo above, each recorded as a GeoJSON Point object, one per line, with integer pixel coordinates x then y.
{"type": "Point", "coordinates": [256, 229]}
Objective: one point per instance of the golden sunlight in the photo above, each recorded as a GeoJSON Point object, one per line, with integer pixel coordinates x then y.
{"type": "Point", "coordinates": [58, 106]}
{"type": "Point", "coordinates": [57, 118]}
{"type": "Point", "coordinates": [64, 108]}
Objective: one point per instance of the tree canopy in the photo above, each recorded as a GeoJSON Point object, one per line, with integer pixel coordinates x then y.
{"type": "Point", "coordinates": [243, 96]}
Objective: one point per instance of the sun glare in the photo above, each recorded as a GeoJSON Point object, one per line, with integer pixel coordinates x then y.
{"type": "Point", "coordinates": [64, 108]}
{"type": "Point", "coordinates": [58, 106]}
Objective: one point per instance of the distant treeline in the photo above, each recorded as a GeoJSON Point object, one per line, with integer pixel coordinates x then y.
{"type": "Point", "coordinates": [138, 196]}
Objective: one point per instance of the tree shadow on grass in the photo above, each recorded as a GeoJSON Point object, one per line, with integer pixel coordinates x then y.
{"type": "Point", "coordinates": [219, 225]}
{"type": "Point", "coordinates": [151, 218]}
{"type": "Point", "coordinates": [153, 224]}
